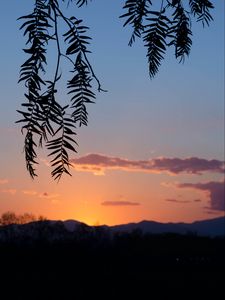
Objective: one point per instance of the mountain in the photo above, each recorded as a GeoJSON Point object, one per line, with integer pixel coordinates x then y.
{"type": "Point", "coordinates": [212, 227]}
{"type": "Point", "coordinates": [70, 229]}
{"type": "Point", "coordinates": [209, 227]}
{"type": "Point", "coordinates": [72, 225]}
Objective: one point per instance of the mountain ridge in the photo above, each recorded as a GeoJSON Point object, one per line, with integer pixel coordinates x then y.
{"type": "Point", "coordinates": [57, 228]}
{"type": "Point", "coordinates": [208, 227]}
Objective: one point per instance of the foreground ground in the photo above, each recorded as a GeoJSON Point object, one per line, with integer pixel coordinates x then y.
{"type": "Point", "coordinates": [100, 266]}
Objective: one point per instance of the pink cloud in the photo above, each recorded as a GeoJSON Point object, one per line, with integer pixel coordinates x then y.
{"type": "Point", "coordinates": [29, 192]}
{"type": "Point", "coordinates": [10, 191]}
{"type": "Point", "coordinates": [45, 162]}
{"type": "Point", "coordinates": [45, 195]}
{"type": "Point", "coordinates": [98, 163]}
{"type": "Point", "coordinates": [55, 201]}
{"type": "Point", "coordinates": [4, 181]}
{"type": "Point", "coordinates": [214, 189]}
{"type": "Point", "coordinates": [119, 203]}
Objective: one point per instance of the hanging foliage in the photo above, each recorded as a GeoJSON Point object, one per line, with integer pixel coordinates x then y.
{"type": "Point", "coordinates": [45, 120]}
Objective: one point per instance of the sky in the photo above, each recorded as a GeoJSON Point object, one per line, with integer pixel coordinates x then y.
{"type": "Point", "coordinates": [153, 149]}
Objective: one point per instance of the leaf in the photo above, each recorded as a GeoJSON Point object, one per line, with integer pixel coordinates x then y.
{"type": "Point", "coordinates": [137, 11]}
{"type": "Point", "coordinates": [155, 40]}
{"type": "Point", "coordinates": [69, 146]}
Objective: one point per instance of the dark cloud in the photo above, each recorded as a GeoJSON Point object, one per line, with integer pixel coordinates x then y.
{"type": "Point", "coordinates": [212, 212]}
{"type": "Point", "coordinates": [192, 165]}
{"type": "Point", "coordinates": [197, 200]}
{"type": "Point", "coordinates": [178, 201]}
{"type": "Point", "coordinates": [98, 163]}
{"type": "Point", "coordinates": [182, 201]}
{"type": "Point", "coordinates": [215, 190]}
{"type": "Point", "coordinates": [119, 203]}
{"type": "Point", "coordinates": [48, 195]}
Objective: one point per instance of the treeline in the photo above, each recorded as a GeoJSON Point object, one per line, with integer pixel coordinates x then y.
{"type": "Point", "coordinates": [10, 217]}
{"type": "Point", "coordinates": [100, 241]}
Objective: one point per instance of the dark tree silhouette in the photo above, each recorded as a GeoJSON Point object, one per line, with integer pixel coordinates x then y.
{"type": "Point", "coordinates": [45, 120]}
{"type": "Point", "coordinates": [10, 217]}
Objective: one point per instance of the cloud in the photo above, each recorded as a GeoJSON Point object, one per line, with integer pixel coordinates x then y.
{"type": "Point", "coordinates": [119, 203]}
{"type": "Point", "coordinates": [29, 192]}
{"type": "Point", "coordinates": [44, 195]}
{"type": "Point", "coordinates": [45, 162]}
{"type": "Point", "coordinates": [182, 201]}
{"type": "Point", "coordinates": [4, 181]}
{"type": "Point", "coordinates": [10, 191]}
{"type": "Point", "coordinates": [55, 201]}
{"type": "Point", "coordinates": [214, 190]}
{"type": "Point", "coordinates": [48, 195]}
{"type": "Point", "coordinates": [169, 184]}
{"type": "Point", "coordinates": [178, 201]}
{"type": "Point", "coordinates": [211, 212]}
{"type": "Point", "coordinates": [98, 164]}
{"type": "Point", "coordinates": [197, 200]}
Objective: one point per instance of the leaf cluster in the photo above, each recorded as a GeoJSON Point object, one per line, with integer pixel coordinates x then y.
{"type": "Point", "coordinates": [168, 26]}
{"type": "Point", "coordinates": [45, 120]}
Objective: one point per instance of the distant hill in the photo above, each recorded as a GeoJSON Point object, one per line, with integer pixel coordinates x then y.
{"type": "Point", "coordinates": [212, 227]}
{"type": "Point", "coordinates": [59, 230]}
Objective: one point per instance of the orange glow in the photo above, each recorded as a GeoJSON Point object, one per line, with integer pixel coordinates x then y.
{"type": "Point", "coordinates": [82, 198]}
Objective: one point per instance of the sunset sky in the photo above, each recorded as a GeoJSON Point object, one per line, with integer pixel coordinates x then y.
{"type": "Point", "coordinates": [153, 149]}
